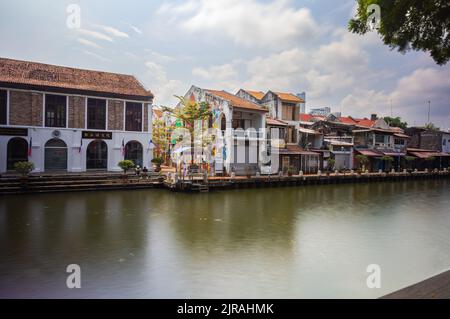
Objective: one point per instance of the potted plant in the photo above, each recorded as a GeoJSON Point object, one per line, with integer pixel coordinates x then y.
{"type": "Point", "coordinates": [330, 165]}
{"type": "Point", "coordinates": [290, 171]}
{"type": "Point", "coordinates": [126, 165]}
{"type": "Point", "coordinates": [362, 160]}
{"type": "Point", "coordinates": [158, 161]}
{"type": "Point", "coordinates": [24, 169]}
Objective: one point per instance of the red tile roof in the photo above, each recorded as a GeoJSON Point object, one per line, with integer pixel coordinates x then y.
{"type": "Point", "coordinates": [289, 97]}
{"type": "Point", "coordinates": [32, 75]}
{"type": "Point", "coordinates": [346, 120]}
{"type": "Point", "coordinates": [366, 123]}
{"type": "Point", "coordinates": [305, 117]}
{"type": "Point", "coordinates": [275, 122]}
{"type": "Point", "coordinates": [237, 102]}
{"type": "Point", "coordinates": [256, 94]}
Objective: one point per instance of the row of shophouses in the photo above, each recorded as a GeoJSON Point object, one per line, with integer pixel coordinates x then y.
{"type": "Point", "coordinates": [306, 142]}
{"type": "Point", "coordinates": [73, 120]}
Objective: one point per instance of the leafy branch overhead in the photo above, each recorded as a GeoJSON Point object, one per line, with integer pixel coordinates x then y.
{"type": "Point", "coordinates": [190, 111]}
{"type": "Point", "coordinates": [420, 25]}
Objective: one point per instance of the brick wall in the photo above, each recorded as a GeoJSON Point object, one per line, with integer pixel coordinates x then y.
{"type": "Point", "coordinates": [115, 115]}
{"type": "Point", "coordinates": [76, 114]}
{"type": "Point", "coordinates": [145, 117]}
{"type": "Point", "coordinates": [25, 108]}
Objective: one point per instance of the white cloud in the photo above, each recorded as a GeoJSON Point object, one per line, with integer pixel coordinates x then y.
{"type": "Point", "coordinates": [164, 88]}
{"type": "Point", "coordinates": [218, 72]}
{"type": "Point", "coordinates": [409, 98]}
{"type": "Point", "coordinates": [97, 56]}
{"type": "Point", "coordinates": [95, 34]}
{"type": "Point", "coordinates": [112, 31]}
{"type": "Point", "coordinates": [246, 22]}
{"type": "Point", "coordinates": [159, 57]}
{"type": "Point", "coordinates": [136, 29]}
{"type": "Point", "coordinates": [89, 43]}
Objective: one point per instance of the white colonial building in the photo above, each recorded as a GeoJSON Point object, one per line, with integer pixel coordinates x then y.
{"type": "Point", "coordinates": [71, 120]}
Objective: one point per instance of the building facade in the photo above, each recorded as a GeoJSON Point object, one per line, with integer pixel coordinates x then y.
{"type": "Point", "coordinates": [72, 120]}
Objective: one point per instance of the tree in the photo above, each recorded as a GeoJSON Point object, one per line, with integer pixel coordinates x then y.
{"type": "Point", "coordinates": [24, 168]}
{"type": "Point", "coordinates": [431, 127]}
{"type": "Point", "coordinates": [395, 122]}
{"type": "Point", "coordinates": [126, 165]}
{"type": "Point", "coordinates": [362, 160]}
{"type": "Point", "coordinates": [160, 137]}
{"type": "Point", "coordinates": [421, 25]}
{"type": "Point", "coordinates": [190, 111]}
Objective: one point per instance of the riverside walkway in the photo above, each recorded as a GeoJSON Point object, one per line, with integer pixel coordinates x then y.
{"type": "Point", "coordinates": [44, 183]}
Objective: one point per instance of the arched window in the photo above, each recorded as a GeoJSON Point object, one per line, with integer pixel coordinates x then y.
{"type": "Point", "coordinates": [17, 151]}
{"type": "Point", "coordinates": [55, 155]}
{"type": "Point", "coordinates": [134, 152]}
{"type": "Point", "coordinates": [97, 155]}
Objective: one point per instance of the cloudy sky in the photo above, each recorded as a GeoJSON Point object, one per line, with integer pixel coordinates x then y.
{"type": "Point", "coordinates": [283, 45]}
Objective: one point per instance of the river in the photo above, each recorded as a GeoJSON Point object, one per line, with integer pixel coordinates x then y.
{"type": "Point", "coordinates": [292, 242]}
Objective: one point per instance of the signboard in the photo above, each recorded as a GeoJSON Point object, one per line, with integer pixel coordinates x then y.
{"type": "Point", "coordinates": [12, 131]}
{"type": "Point", "coordinates": [97, 135]}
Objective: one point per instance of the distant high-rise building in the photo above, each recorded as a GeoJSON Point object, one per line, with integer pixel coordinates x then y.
{"type": "Point", "coordinates": [302, 105]}
{"type": "Point", "coordinates": [323, 111]}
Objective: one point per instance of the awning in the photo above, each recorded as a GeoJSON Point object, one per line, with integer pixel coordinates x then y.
{"type": "Point", "coordinates": [339, 143]}
{"type": "Point", "coordinates": [308, 131]}
{"type": "Point", "coordinates": [295, 150]}
{"type": "Point", "coordinates": [402, 135]}
{"type": "Point", "coordinates": [369, 153]}
{"type": "Point", "coordinates": [424, 155]}
{"type": "Point", "coordinates": [275, 122]}
{"type": "Point", "coordinates": [394, 154]}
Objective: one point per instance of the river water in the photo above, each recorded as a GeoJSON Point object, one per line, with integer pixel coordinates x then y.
{"type": "Point", "coordinates": [293, 242]}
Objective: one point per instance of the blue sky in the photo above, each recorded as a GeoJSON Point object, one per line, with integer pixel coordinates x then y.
{"type": "Point", "coordinates": [281, 45]}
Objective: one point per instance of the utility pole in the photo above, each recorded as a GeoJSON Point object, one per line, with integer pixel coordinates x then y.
{"type": "Point", "coordinates": [429, 110]}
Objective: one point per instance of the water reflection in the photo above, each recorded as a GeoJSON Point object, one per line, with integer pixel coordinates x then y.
{"type": "Point", "coordinates": [294, 242]}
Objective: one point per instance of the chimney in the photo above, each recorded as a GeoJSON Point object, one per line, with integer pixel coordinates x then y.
{"type": "Point", "coordinates": [302, 105]}
{"type": "Point", "coordinates": [373, 117]}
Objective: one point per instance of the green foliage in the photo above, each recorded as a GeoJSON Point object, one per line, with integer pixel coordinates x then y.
{"type": "Point", "coordinates": [362, 160]}
{"type": "Point", "coordinates": [395, 122]}
{"type": "Point", "coordinates": [331, 163]}
{"type": "Point", "coordinates": [24, 168]}
{"type": "Point", "coordinates": [157, 160]}
{"type": "Point", "coordinates": [410, 159]}
{"type": "Point", "coordinates": [431, 127]}
{"type": "Point", "coordinates": [421, 25]}
{"type": "Point", "coordinates": [387, 158]}
{"type": "Point", "coordinates": [430, 158]}
{"type": "Point", "coordinates": [126, 165]}
{"type": "Point", "coordinates": [190, 111]}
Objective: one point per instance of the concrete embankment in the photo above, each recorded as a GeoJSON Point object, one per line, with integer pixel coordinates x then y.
{"type": "Point", "coordinates": [111, 181]}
